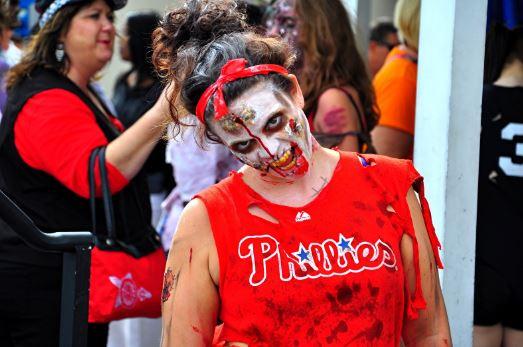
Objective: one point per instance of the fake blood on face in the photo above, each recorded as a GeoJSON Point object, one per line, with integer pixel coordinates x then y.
{"type": "Point", "coordinates": [260, 142]}
{"type": "Point", "coordinates": [302, 165]}
{"type": "Point", "coordinates": [292, 124]}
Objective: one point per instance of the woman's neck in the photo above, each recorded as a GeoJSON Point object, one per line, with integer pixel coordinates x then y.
{"type": "Point", "coordinates": [80, 77]}
{"type": "Point", "coordinates": [300, 191]}
{"type": "Point", "coordinates": [511, 75]}
{"type": "Point", "coordinates": [409, 50]}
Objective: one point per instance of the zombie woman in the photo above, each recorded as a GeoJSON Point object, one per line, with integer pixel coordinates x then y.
{"type": "Point", "coordinates": [304, 245]}
{"type": "Point", "coordinates": [339, 98]}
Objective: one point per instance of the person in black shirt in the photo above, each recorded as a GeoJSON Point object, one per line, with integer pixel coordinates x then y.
{"type": "Point", "coordinates": [136, 91]}
{"type": "Point", "coordinates": [498, 302]}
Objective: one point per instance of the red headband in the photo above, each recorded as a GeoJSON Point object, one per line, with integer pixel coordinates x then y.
{"type": "Point", "coordinates": [232, 70]}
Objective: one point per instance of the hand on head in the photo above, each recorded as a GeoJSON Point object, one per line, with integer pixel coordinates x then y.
{"type": "Point", "coordinates": [257, 116]}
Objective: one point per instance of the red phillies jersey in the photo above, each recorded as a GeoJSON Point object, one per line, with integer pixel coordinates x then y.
{"type": "Point", "coordinates": [328, 273]}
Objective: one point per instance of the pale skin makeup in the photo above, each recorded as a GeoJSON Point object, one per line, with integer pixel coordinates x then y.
{"type": "Point", "coordinates": [283, 21]}
{"type": "Point", "coordinates": [266, 131]}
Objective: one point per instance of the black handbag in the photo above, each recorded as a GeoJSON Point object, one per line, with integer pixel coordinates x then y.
{"type": "Point", "coordinates": [127, 223]}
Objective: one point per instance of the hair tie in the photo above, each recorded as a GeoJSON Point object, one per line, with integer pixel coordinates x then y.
{"type": "Point", "coordinates": [233, 70]}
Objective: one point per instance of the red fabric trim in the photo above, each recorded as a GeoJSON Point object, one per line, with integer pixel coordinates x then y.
{"type": "Point", "coordinates": [232, 70]}
{"type": "Point", "coordinates": [416, 300]}
{"type": "Point", "coordinates": [56, 132]}
{"type": "Point", "coordinates": [396, 177]}
{"type": "Point", "coordinates": [427, 217]}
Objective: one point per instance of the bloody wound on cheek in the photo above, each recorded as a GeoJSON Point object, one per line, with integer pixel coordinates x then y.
{"type": "Point", "coordinates": [301, 163]}
{"type": "Point", "coordinates": [292, 124]}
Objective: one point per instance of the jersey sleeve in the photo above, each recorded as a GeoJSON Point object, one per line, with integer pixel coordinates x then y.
{"type": "Point", "coordinates": [412, 178]}
{"type": "Point", "coordinates": [396, 177]}
{"type": "Point", "coordinates": [56, 132]}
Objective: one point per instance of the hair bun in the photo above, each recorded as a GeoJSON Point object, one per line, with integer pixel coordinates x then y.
{"type": "Point", "coordinates": [184, 31]}
{"type": "Point", "coordinates": [199, 22]}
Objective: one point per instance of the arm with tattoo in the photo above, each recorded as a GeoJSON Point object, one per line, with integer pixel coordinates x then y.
{"type": "Point", "coordinates": [335, 115]}
{"type": "Point", "coordinates": [190, 297]}
{"type": "Point", "coordinates": [170, 280]}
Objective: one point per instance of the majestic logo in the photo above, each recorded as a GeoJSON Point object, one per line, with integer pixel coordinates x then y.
{"type": "Point", "coordinates": [128, 291]}
{"type": "Point", "coordinates": [330, 258]}
{"type": "Point", "coordinates": [302, 216]}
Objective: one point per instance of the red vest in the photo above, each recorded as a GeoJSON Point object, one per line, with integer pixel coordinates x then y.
{"type": "Point", "coordinates": [330, 272]}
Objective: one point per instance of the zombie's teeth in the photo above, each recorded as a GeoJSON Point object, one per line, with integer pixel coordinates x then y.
{"type": "Point", "coordinates": [291, 164]}
{"type": "Point", "coordinates": [282, 160]}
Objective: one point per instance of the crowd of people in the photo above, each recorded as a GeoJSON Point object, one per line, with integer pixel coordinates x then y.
{"type": "Point", "coordinates": [273, 160]}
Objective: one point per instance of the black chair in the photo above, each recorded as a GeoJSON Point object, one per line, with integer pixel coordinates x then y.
{"type": "Point", "coordinates": [76, 249]}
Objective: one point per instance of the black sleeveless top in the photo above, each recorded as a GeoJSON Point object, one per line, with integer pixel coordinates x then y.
{"type": "Point", "coordinates": [50, 205]}
{"type": "Point", "coordinates": [500, 184]}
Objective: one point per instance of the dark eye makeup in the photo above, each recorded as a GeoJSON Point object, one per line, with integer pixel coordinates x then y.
{"type": "Point", "coordinates": [275, 123]}
{"type": "Point", "coordinates": [288, 22]}
{"type": "Point", "coordinates": [243, 147]}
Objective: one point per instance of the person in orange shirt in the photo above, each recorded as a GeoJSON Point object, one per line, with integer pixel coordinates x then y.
{"type": "Point", "coordinates": [395, 87]}
{"type": "Point", "coordinates": [383, 38]}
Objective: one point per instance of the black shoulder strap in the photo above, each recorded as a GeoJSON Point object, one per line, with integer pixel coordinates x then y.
{"type": "Point", "coordinates": [92, 188]}
{"type": "Point", "coordinates": [106, 195]}
{"type": "Point", "coordinates": [361, 116]}
{"type": "Point", "coordinates": [364, 135]}
{"type": "Point", "coordinates": [98, 155]}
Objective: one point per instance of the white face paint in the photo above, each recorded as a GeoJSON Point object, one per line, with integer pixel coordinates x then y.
{"type": "Point", "coordinates": [267, 131]}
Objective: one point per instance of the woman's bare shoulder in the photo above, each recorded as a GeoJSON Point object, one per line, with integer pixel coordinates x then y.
{"type": "Point", "coordinates": [194, 220]}
{"type": "Point", "coordinates": [337, 93]}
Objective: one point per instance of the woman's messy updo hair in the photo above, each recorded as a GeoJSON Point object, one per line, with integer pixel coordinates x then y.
{"type": "Point", "coordinates": [194, 42]}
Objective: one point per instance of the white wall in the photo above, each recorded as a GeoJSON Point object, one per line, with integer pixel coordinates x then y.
{"type": "Point", "coordinates": [363, 13]}
{"type": "Point", "coordinates": [448, 116]}
{"type": "Point", "coordinates": [382, 8]}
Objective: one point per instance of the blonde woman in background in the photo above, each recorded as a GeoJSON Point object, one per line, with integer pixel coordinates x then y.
{"type": "Point", "coordinates": [395, 86]}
